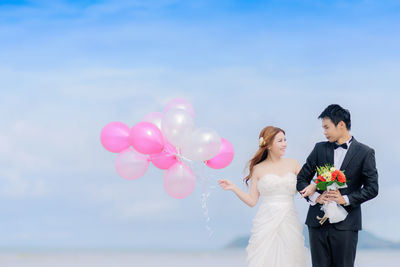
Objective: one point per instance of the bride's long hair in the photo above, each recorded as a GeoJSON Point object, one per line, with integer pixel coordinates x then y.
{"type": "Point", "coordinates": [266, 138]}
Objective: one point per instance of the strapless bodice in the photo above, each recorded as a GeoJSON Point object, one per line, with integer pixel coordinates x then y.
{"type": "Point", "coordinates": [277, 186]}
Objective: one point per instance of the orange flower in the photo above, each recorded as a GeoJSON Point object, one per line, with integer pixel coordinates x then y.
{"type": "Point", "coordinates": [320, 178]}
{"type": "Point", "coordinates": [341, 177]}
{"type": "Point", "coordinates": [335, 175]}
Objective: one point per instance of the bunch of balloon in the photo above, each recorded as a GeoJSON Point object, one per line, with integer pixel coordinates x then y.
{"type": "Point", "coordinates": [167, 139]}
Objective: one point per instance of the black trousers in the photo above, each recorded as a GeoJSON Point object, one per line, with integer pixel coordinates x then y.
{"type": "Point", "coordinates": [331, 247]}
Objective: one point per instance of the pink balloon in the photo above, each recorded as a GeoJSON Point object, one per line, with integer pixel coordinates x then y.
{"type": "Point", "coordinates": [180, 103]}
{"type": "Point", "coordinates": [131, 165]}
{"type": "Point", "coordinates": [166, 158]}
{"type": "Point", "coordinates": [115, 137]}
{"type": "Point", "coordinates": [224, 157]}
{"type": "Point", "coordinates": [155, 118]}
{"type": "Point", "coordinates": [179, 181]}
{"type": "Point", "coordinates": [147, 138]}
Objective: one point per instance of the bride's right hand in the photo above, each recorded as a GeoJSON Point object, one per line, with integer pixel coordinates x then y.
{"type": "Point", "coordinates": [226, 184]}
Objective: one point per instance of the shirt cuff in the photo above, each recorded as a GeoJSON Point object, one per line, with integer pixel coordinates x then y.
{"type": "Point", "coordinates": [346, 198]}
{"type": "Point", "coordinates": [313, 198]}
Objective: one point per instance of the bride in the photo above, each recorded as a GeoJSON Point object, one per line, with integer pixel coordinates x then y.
{"type": "Point", "coordinates": [276, 237]}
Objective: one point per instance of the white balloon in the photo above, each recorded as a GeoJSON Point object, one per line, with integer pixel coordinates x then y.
{"type": "Point", "coordinates": [176, 125]}
{"type": "Point", "coordinates": [180, 103]}
{"type": "Point", "coordinates": [155, 118]}
{"type": "Point", "coordinates": [131, 165]}
{"type": "Point", "coordinates": [203, 144]}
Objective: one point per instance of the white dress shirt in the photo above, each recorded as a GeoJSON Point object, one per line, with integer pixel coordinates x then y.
{"type": "Point", "coordinates": [338, 157]}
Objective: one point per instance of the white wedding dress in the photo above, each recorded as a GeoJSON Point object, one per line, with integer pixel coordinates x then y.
{"type": "Point", "coordinates": [276, 238]}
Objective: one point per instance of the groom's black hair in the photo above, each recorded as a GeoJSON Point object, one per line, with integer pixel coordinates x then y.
{"type": "Point", "coordinates": [337, 114]}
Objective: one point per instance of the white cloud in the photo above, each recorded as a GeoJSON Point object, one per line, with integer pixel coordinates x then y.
{"type": "Point", "coordinates": [13, 185]}
{"type": "Point", "coordinates": [128, 201]}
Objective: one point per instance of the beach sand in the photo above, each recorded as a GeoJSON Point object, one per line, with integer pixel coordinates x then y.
{"type": "Point", "coordinates": [228, 258]}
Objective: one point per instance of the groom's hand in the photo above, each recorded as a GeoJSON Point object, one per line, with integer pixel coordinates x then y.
{"type": "Point", "coordinates": [337, 197]}
{"type": "Point", "coordinates": [323, 198]}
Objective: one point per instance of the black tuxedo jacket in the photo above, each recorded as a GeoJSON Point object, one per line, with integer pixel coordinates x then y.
{"type": "Point", "coordinates": [362, 185]}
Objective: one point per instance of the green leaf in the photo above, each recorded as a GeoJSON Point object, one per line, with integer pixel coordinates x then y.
{"type": "Point", "coordinates": [321, 186]}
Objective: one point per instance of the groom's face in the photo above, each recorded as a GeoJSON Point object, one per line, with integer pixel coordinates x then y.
{"type": "Point", "coordinates": [331, 131]}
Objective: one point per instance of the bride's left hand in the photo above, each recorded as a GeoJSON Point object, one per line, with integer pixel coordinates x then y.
{"type": "Point", "coordinates": [226, 184]}
{"type": "Point", "coordinates": [308, 190]}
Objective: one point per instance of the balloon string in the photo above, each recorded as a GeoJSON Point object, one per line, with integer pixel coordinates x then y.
{"type": "Point", "coordinates": [206, 188]}
{"type": "Point", "coordinates": [204, 182]}
{"type": "Point", "coordinates": [178, 154]}
{"type": "Point", "coordinates": [183, 158]}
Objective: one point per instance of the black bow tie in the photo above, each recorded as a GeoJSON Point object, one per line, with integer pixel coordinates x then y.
{"type": "Point", "coordinates": [344, 145]}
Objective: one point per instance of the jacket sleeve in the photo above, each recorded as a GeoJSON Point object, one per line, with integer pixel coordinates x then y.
{"type": "Point", "coordinates": [370, 187]}
{"type": "Point", "coordinates": [308, 170]}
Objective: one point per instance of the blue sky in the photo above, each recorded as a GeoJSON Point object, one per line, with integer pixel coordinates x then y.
{"type": "Point", "coordinates": [67, 68]}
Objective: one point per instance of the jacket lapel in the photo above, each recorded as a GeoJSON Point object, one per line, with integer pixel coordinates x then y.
{"type": "Point", "coordinates": [329, 153]}
{"type": "Point", "coordinates": [353, 150]}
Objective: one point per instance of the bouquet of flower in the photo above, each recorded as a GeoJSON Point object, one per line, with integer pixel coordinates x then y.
{"type": "Point", "coordinates": [329, 178]}
{"type": "Point", "coordinates": [328, 175]}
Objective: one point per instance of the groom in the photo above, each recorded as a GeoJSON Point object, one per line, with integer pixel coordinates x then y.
{"type": "Point", "coordinates": [335, 244]}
